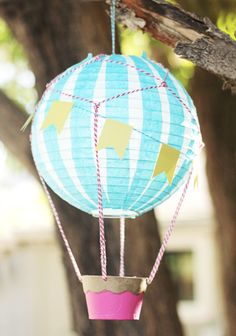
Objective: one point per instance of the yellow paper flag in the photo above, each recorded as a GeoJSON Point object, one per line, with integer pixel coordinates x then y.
{"type": "Point", "coordinates": [115, 134]}
{"type": "Point", "coordinates": [166, 162]}
{"type": "Point", "coordinates": [57, 115]}
{"type": "Point", "coordinates": [195, 174]}
{"type": "Point", "coordinates": [196, 181]}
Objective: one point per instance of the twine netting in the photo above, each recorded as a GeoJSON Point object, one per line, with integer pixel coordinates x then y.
{"type": "Point", "coordinates": [128, 188]}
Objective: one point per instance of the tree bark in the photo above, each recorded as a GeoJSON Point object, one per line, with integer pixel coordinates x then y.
{"type": "Point", "coordinates": [216, 110]}
{"type": "Point", "coordinates": [11, 120]}
{"type": "Point", "coordinates": [55, 35]}
{"type": "Point", "coordinates": [193, 38]}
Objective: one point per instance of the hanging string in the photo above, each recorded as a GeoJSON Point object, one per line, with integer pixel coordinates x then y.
{"type": "Point", "coordinates": [59, 225]}
{"type": "Point", "coordinates": [102, 240]}
{"type": "Point", "coordinates": [122, 246]}
{"type": "Point", "coordinates": [113, 25]}
{"type": "Point", "coordinates": [168, 233]}
{"type": "Point", "coordinates": [61, 231]}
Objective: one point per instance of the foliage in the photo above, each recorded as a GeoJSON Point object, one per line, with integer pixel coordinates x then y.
{"type": "Point", "coordinates": [227, 23]}
{"type": "Point", "coordinates": [134, 42]}
{"type": "Point", "coordinates": [137, 42]}
{"type": "Point", "coordinates": [17, 81]}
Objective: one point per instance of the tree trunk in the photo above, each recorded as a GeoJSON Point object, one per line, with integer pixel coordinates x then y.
{"type": "Point", "coordinates": [55, 35]}
{"type": "Point", "coordinates": [216, 110]}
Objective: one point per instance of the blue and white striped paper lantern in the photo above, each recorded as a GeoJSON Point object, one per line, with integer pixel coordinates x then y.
{"type": "Point", "coordinates": [163, 115]}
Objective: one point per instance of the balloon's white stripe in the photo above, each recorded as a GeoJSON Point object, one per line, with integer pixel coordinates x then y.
{"type": "Point", "coordinates": [135, 107]}
{"type": "Point", "coordinates": [98, 95]}
{"type": "Point", "coordinates": [165, 106]}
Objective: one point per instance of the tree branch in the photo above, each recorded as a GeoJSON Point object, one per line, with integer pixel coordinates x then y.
{"type": "Point", "coordinates": [193, 38]}
{"type": "Point", "coordinates": [13, 117]}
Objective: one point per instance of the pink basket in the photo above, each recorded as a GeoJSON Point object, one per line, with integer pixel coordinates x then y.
{"type": "Point", "coordinates": [117, 298]}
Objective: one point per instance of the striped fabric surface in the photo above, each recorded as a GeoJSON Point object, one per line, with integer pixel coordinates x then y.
{"type": "Point", "coordinates": [163, 114]}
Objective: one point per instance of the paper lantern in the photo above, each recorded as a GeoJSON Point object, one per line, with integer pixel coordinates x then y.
{"type": "Point", "coordinates": [131, 90]}
{"type": "Point", "coordinates": [115, 136]}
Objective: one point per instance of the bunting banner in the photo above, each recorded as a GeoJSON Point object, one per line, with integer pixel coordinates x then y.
{"type": "Point", "coordinates": [57, 115]}
{"type": "Point", "coordinates": [166, 162]}
{"type": "Point", "coordinates": [115, 134]}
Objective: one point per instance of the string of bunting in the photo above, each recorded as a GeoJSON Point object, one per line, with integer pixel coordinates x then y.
{"type": "Point", "coordinates": [115, 134]}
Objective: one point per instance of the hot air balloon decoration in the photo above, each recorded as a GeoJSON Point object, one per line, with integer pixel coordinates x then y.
{"type": "Point", "coordinates": [115, 136]}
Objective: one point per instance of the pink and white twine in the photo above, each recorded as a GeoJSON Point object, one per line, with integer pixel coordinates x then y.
{"type": "Point", "coordinates": [168, 233]}
{"type": "Point", "coordinates": [102, 240]}
{"type": "Point", "coordinates": [100, 206]}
